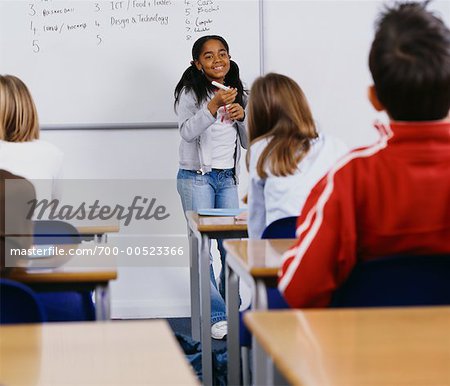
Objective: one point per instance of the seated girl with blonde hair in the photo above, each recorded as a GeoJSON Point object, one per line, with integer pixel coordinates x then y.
{"type": "Point", "coordinates": [287, 155]}
{"type": "Point", "coordinates": [21, 151]}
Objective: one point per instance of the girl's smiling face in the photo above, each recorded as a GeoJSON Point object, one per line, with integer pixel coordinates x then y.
{"type": "Point", "coordinates": [214, 60]}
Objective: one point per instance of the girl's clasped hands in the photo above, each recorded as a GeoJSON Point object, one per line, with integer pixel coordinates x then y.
{"type": "Point", "coordinates": [226, 98]}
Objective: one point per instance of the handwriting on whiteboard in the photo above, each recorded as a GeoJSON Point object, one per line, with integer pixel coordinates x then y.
{"type": "Point", "coordinates": [55, 22]}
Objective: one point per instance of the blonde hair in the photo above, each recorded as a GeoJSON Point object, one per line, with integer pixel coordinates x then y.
{"type": "Point", "coordinates": [18, 116]}
{"type": "Point", "coordinates": [278, 110]}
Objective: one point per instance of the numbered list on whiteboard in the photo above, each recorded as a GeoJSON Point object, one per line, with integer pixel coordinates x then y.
{"type": "Point", "coordinates": [55, 22]}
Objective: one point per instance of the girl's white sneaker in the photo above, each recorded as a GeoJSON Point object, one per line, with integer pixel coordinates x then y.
{"type": "Point", "coordinates": [219, 330]}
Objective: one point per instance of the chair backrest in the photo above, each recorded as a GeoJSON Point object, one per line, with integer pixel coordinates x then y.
{"type": "Point", "coordinates": [55, 232]}
{"type": "Point", "coordinates": [16, 228]}
{"type": "Point", "coordinates": [67, 306]}
{"type": "Point", "coordinates": [19, 304]}
{"type": "Point", "coordinates": [397, 281]}
{"type": "Point", "coordinates": [283, 228]}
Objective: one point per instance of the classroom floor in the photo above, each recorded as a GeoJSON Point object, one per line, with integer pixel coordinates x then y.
{"type": "Point", "coordinates": [183, 326]}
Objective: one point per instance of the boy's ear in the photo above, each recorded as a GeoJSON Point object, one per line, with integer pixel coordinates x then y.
{"type": "Point", "coordinates": [198, 65]}
{"type": "Point", "coordinates": [373, 98]}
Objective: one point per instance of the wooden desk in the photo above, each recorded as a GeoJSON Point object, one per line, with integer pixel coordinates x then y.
{"type": "Point", "coordinates": [346, 347]}
{"type": "Point", "coordinates": [107, 353]}
{"type": "Point", "coordinates": [201, 230]}
{"type": "Point", "coordinates": [257, 263]}
{"type": "Point", "coordinates": [96, 229]}
{"type": "Point", "coordinates": [70, 273]}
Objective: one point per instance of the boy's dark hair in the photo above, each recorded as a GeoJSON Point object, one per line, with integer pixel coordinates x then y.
{"type": "Point", "coordinates": [410, 63]}
{"type": "Point", "coordinates": [194, 79]}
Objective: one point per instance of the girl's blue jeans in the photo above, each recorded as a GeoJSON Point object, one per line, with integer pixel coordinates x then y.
{"type": "Point", "coordinates": [216, 189]}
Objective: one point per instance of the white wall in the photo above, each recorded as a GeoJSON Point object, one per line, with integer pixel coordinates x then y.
{"type": "Point", "coordinates": [128, 154]}
{"type": "Point", "coordinates": [324, 46]}
{"type": "Point", "coordinates": [321, 44]}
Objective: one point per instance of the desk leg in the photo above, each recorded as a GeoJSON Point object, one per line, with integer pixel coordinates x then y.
{"type": "Point", "coordinates": [262, 365]}
{"type": "Point", "coordinates": [101, 238]}
{"type": "Point", "coordinates": [102, 302]}
{"type": "Point", "coordinates": [260, 301]}
{"type": "Point", "coordinates": [233, 344]}
{"type": "Point", "coordinates": [195, 288]}
{"type": "Point", "coordinates": [278, 378]}
{"type": "Point", "coordinates": [205, 311]}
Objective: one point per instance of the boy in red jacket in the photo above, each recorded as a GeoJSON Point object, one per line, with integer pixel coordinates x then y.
{"type": "Point", "coordinates": [392, 197]}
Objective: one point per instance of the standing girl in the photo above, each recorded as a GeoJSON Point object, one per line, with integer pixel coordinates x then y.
{"type": "Point", "coordinates": [287, 156]}
{"type": "Point", "coordinates": [211, 123]}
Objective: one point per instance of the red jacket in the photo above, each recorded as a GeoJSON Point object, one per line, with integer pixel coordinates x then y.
{"type": "Point", "coordinates": [389, 198]}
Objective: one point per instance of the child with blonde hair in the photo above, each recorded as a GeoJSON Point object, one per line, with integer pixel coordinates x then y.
{"type": "Point", "coordinates": [287, 155]}
{"type": "Point", "coordinates": [21, 151]}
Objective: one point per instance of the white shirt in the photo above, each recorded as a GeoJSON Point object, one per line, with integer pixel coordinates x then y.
{"type": "Point", "coordinates": [276, 197]}
{"type": "Point", "coordinates": [37, 161]}
{"type": "Point", "coordinates": [223, 141]}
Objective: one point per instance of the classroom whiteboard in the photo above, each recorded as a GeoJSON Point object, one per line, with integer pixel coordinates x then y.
{"type": "Point", "coordinates": [115, 64]}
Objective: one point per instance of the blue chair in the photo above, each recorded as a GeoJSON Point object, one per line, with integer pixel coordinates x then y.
{"type": "Point", "coordinates": [55, 232]}
{"type": "Point", "coordinates": [421, 280]}
{"type": "Point", "coordinates": [283, 228]}
{"type": "Point", "coordinates": [69, 305]}
{"type": "Point", "coordinates": [19, 304]}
